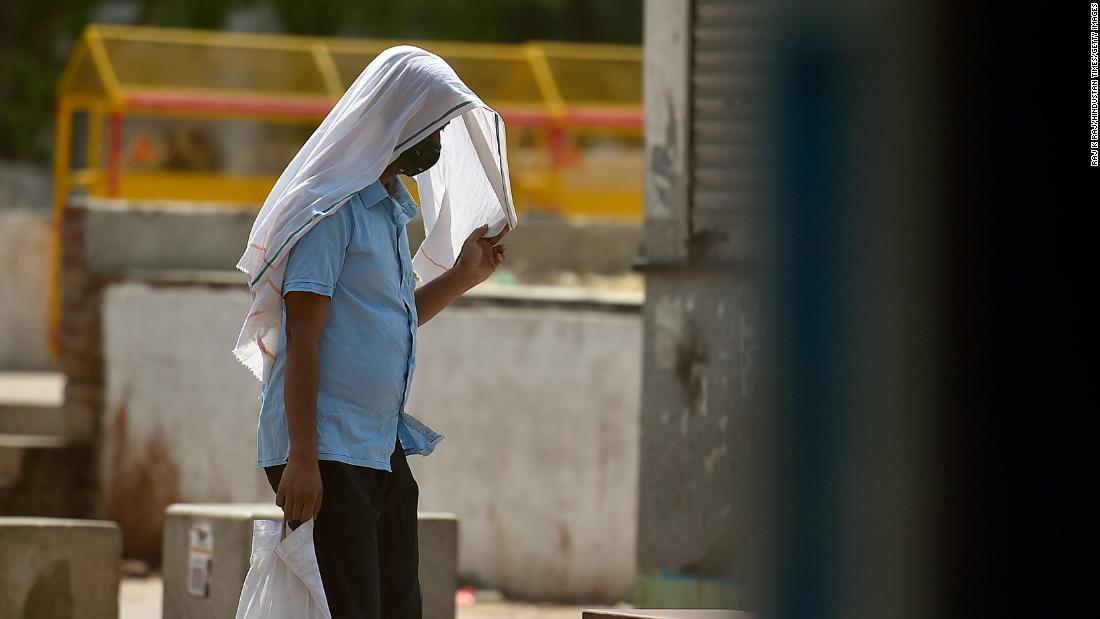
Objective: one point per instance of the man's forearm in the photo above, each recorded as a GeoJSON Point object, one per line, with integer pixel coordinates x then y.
{"type": "Point", "coordinates": [300, 385]}
{"type": "Point", "coordinates": [434, 296]}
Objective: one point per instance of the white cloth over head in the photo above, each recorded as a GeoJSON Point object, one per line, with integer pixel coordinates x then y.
{"type": "Point", "coordinates": [403, 96]}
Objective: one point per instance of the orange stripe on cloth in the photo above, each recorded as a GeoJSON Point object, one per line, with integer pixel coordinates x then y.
{"type": "Point", "coordinates": [265, 351]}
{"type": "Point", "coordinates": [433, 261]}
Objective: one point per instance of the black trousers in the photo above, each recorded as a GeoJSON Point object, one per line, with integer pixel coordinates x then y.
{"type": "Point", "coordinates": [365, 536]}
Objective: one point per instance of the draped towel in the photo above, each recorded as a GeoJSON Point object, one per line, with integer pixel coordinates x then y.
{"type": "Point", "coordinates": [404, 95]}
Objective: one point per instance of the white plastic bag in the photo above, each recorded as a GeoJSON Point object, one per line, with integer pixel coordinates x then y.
{"type": "Point", "coordinates": [283, 580]}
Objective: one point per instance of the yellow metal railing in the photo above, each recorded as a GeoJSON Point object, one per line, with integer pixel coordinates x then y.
{"type": "Point", "coordinates": [171, 114]}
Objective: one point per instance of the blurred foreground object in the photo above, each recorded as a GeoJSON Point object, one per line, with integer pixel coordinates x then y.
{"type": "Point", "coordinates": [799, 435]}
{"type": "Point", "coordinates": [643, 613]}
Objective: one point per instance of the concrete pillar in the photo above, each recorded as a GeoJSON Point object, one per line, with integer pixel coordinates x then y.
{"type": "Point", "coordinates": [705, 226]}
{"type": "Point", "coordinates": [57, 567]}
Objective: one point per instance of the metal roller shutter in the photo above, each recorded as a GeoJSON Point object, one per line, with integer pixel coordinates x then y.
{"type": "Point", "coordinates": [727, 68]}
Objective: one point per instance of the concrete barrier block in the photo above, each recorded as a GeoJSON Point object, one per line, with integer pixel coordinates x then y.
{"type": "Point", "coordinates": [59, 567]}
{"type": "Point", "coordinates": [438, 541]}
{"type": "Point", "coordinates": [224, 533]}
{"type": "Point", "coordinates": [227, 531]}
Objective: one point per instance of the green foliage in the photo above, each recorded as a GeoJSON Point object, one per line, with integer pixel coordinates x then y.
{"type": "Point", "coordinates": [509, 21]}
{"type": "Point", "coordinates": [35, 40]}
{"type": "Point", "coordinates": [37, 36]}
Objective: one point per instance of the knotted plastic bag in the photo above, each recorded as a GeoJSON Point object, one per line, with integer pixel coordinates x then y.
{"type": "Point", "coordinates": [283, 580]}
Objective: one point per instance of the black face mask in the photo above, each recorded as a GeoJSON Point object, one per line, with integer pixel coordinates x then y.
{"type": "Point", "coordinates": [420, 157]}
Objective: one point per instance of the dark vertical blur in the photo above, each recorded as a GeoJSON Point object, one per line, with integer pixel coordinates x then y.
{"type": "Point", "coordinates": [916, 184]}
{"type": "Point", "coordinates": [902, 131]}
{"type": "Point", "coordinates": [854, 399]}
{"type": "Point", "coordinates": [1009, 224]}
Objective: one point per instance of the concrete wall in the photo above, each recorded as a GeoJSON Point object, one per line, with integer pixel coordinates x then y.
{"type": "Point", "coordinates": [700, 419]}
{"type": "Point", "coordinates": [25, 186]}
{"type": "Point", "coordinates": [538, 401]}
{"type": "Point", "coordinates": [125, 236]}
{"type": "Point", "coordinates": [25, 255]}
{"type": "Point", "coordinates": [540, 411]}
{"type": "Point", "coordinates": [179, 422]}
{"type": "Point", "coordinates": [25, 246]}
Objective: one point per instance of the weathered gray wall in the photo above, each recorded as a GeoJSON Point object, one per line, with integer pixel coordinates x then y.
{"type": "Point", "coordinates": [540, 408]}
{"type": "Point", "coordinates": [26, 244]}
{"type": "Point", "coordinates": [126, 237]}
{"type": "Point", "coordinates": [179, 420]}
{"type": "Point", "coordinates": [25, 186]}
{"type": "Point", "coordinates": [697, 544]}
{"type": "Point", "coordinates": [699, 440]}
{"type": "Point", "coordinates": [538, 401]}
{"type": "Point", "coordinates": [25, 254]}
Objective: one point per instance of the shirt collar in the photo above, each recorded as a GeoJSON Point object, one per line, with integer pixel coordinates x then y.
{"type": "Point", "coordinates": [403, 201]}
{"type": "Point", "coordinates": [372, 194]}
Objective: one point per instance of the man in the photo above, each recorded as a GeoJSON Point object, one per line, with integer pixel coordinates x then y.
{"type": "Point", "coordinates": [333, 433]}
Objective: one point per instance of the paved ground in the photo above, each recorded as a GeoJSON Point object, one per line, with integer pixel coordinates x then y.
{"type": "Point", "coordinates": [139, 598]}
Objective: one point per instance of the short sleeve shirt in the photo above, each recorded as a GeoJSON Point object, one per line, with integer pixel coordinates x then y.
{"type": "Point", "coordinates": [358, 257]}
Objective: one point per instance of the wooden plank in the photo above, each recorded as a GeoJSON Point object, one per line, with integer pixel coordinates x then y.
{"type": "Point", "coordinates": [32, 441]}
{"type": "Point", "coordinates": [641, 613]}
{"type": "Point", "coordinates": [32, 388]}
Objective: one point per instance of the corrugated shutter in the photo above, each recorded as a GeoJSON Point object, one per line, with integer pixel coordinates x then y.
{"type": "Point", "coordinates": [726, 141]}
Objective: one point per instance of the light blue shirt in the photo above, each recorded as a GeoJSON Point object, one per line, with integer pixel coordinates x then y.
{"type": "Point", "coordinates": [358, 257]}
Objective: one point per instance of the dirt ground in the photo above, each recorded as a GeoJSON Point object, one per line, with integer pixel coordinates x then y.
{"type": "Point", "coordinates": [140, 598]}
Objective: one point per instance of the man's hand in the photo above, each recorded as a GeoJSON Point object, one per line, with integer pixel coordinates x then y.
{"type": "Point", "coordinates": [299, 491]}
{"type": "Point", "coordinates": [480, 255]}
